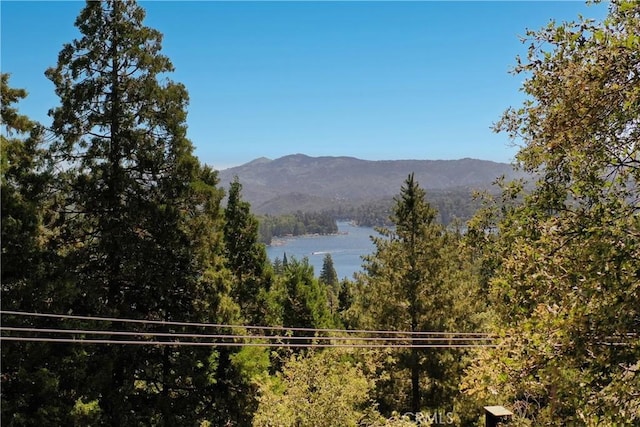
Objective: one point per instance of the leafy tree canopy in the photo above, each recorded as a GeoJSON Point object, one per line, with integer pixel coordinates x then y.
{"type": "Point", "coordinates": [566, 287]}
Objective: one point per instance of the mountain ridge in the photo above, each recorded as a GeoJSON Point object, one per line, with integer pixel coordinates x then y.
{"type": "Point", "coordinates": [320, 183]}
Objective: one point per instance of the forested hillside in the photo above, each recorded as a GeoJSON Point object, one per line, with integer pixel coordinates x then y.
{"type": "Point", "coordinates": [133, 296]}
{"type": "Point", "coordinates": [298, 224]}
{"type": "Point", "coordinates": [299, 182]}
{"type": "Point", "coordinates": [361, 191]}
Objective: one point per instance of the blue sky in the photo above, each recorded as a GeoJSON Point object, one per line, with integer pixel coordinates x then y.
{"type": "Point", "coordinates": [373, 80]}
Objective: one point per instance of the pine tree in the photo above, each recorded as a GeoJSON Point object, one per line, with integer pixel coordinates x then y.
{"type": "Point", "coordinates": [328, 274]}
{"type": "Point", "coordinates": [22, 192]}
{"type": "Point", "coordinates": [143, 229]}
{"type": "Point", "coordinates": [329, 278]}
{"type": "Point", "coordinates": [306, 304]}
{"type": "Point", "coordinates": [31, 371]}
{"type": "Point", "coordinates": [247, 258]}
{"type": "Point", "coordinates": [403, 288]}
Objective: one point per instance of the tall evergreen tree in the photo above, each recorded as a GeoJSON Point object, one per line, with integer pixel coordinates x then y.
{"type": "Point", "coordinates": [143, 227]}
{"type": "Point", "coordinates": [247, 258]}
{"type": "Point", "coordinates": [33, 392]}
{"type": "Point", "coordinates": [22, 192]}
{"type": "Point", "coordinates": [328, 274]}
{"type": "Point", "coordinates": [306, 303]}
{"type": "Point", "coordinates": [247, 261]}
{"type": "Point", "coordinates": [403, 289]}
{"type": "Point", "coordinates": [329, 278]}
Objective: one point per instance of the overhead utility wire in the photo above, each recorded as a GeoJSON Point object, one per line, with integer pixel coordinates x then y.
{"type": "Point", "coordinates": [220, 325]}
{"type": "Point", "coordinates": [232, 336]}
{"type": "Point", "coordinates": [259, 342]}
{"type": "Point", "coordinates": [131, 334]}
{"type": "Point", "coordinates": [410, 340]}
{"type": "Point", "coordinates": [237, 344]}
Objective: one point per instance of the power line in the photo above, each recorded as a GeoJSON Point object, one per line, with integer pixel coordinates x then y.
{"type": "Point", "coordinates": [236, 344]}
{"type": "Point", "coordinates": [233, 336]}
{"type": "Point", "coordinates": [283, 335]}
{"type": "Point", "coordinates": [230, 326]}
{"type": "Point", "coordinates": [419, 339]}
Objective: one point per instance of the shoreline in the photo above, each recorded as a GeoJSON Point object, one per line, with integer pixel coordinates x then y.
{"type": "Point", "coordinates": [282, 240]}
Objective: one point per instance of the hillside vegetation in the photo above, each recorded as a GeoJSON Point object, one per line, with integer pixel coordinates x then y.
{"type": "Point", "coordinates": [300, 182]}
{"type": "Point", "coordinates": [133, 296]}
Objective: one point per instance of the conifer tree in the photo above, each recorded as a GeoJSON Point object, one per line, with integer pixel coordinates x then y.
{"type": "Point", "coordinates": [22, 191]}
{"type": "Point", "coordinates": [143, 229]}
{"type": "Point", "coordinates": [32, 390]}
{"type": "Point", "coordinates": [306, 304]}
{"type": "Point", "coordinates": [247, 258]}
{"type": "Point", "coordinates": [329, 278]}
{"type": "Point", "coordinates": [328, 274]}
{"type": "Point", "coordinates": [403, 289]}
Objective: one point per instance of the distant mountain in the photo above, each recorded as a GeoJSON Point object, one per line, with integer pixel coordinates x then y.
{"type": "Point", "coordinates": [300, 182]}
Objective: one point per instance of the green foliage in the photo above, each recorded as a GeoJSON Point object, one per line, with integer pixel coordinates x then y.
{"type": "Point", "coordinates": [141, 226]}
{"type": "Point", "coordinates": [25, 176]}
{"type": "Point", "coordinates": [246, 257]}
{"type": "Point", "coordinates": [252, 362]}
{"type": "Point", "coordinates": [296, 224]}
{"type": "Point", "coordinates": [34, 389]}
{"type": "Point", "coordinates": [329, 278]}
{"type": "Point", "coordinates": [321, 389]}
{"type": "Point", "coordinates": [12, 121]}
{"type": "Point", "coordinates": [403, 289]}
{"type": "Point", "coordinates": [328, 388]}
{"type": "Point", "coordinates": [117, 217]}
{"type": "Point", "coordinates": [306, 304]}
{"type": "Point", "coordinates": [369, 214]}
{"type": "Point", "coordinates": [451, 205]}
{"type": "Point", "coordinates": [420, 278]}
{"type": "Point", "coordinates": [328, 275]}
{"type": "Point", "coordinates": [297, 299]}
{"type": "Point", "coordinates": [566, 286]}
{"type": "Point", "coordinates": [86, 413]}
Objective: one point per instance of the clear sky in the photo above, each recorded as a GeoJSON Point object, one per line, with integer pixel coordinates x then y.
{"type": "Point", "coordinates": [373, 80]}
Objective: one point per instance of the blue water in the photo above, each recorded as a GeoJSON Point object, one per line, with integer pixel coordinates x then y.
{"type": "Point", "coordinates": [346, 249]}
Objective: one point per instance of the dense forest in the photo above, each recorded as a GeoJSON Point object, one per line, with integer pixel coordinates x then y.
{"type": "Point", "coordinates": [453, 209]}
{"type": "Point", "coordinates": [296, 224]}
{"type": "Point", "coordinates": [452, 206]}
{"type": "Point", "coordinates": [132, 297]}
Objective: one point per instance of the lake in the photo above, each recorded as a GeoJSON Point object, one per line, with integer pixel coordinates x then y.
{"type": "Point", "coordinates": [346, 249]}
